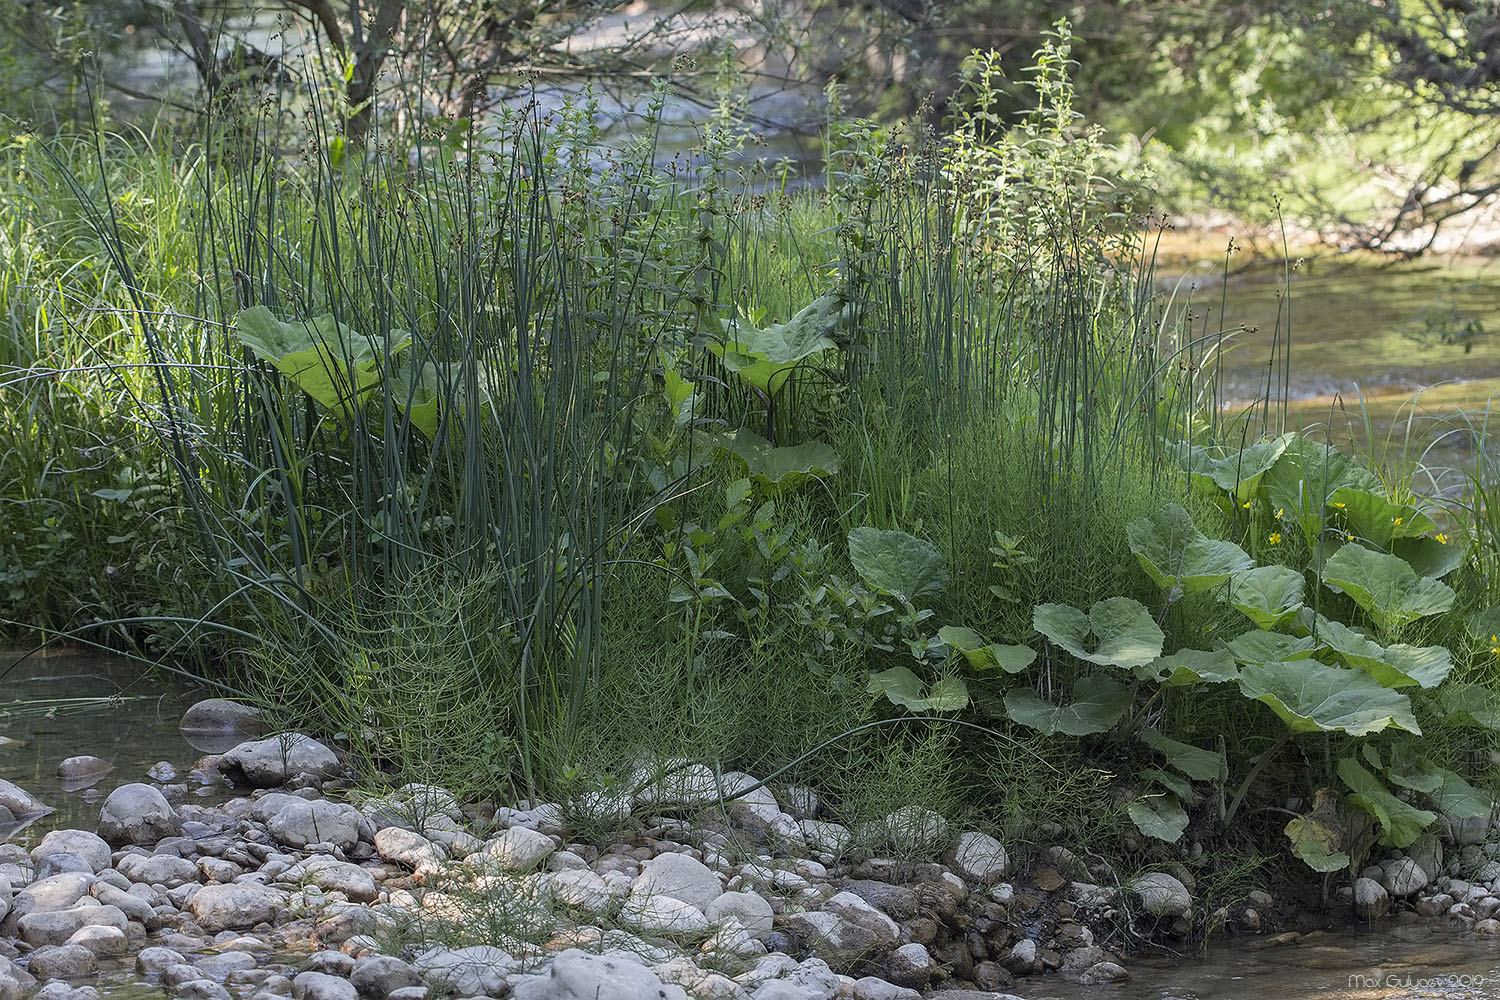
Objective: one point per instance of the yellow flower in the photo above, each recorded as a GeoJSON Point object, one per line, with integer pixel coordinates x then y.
{"type": "Point", "coordinates": [1348, 538]}
{"type": "Point", "coordinates": [1275, 538]}
{"type": "Point", "coordinates": [1397, 521]}
{"type": "Point", "coordinates": [1442, 538]}
{"type": "Point", "coordinates": [1246, 505]}
{"type": "Point", "coordinates": [1337, 504]}
{"type": "Point", "coordinates": [1280, 511]}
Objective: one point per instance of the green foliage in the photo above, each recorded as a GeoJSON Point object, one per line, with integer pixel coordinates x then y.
{"type": "Point", "coordinates": [1312, 697]}
{"type": "Point", "coordinates": [1268, 595]}
{"type": "Point", "coordinates": [1116, 632]}
{"type": "Point", "coordinates": [1179, 557]}
{"type": "Point", "coordinates": [897, 564]}
{"type": "Point", "coordinates": [1098, 702]}
{"type": "Point", "coordinates": [1386, 587]}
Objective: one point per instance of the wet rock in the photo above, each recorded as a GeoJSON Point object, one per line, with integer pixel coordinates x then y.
{"type": "Point", "coordinates": [55, 927]}
{"type": "Point", "coordinates": [85, 845]}
{"type": "Point", "coordinates": [576, 975]}
{"type": "Point", "coordinates": [329, 962]}
{"type": "Point", "coordinates": [199, 989]}
{"type": "Point", "coordinates": [63, 961]}
{"type": "Point", "coordinates": [474, 971]}
{"type": "Point", "coordinates": [1103, 972]}
{"type": "Point", "coordinates": [223, 965]}
{"type": "Point", "coordinates": [104, 942]}
{"type": "Point", "coordinates": [236, 906]}
{"type": "Point", "coordinates": [20, 803]}
{"type": "Point", "coordinates": [1162, 895]}
{"type": "Point", "coordinates": [155, 960]}
{"type": "Point", "coordinates": [1370, 899]}
{"type": "Point", "coordinates": [280, 760]}
{"type": "Point", "coordinates": [57, 864]}
{"type": "Point", "coordinates": [136, 813]}
{"type": "Point", "coordinates": [376, 977]}
{"type": "Point", "coordinates": [679, 877]}
{"type": "Point", "coordinates": [57, 990]}
{"type": "Point", "coordinates": [220, 716]}
{"type": "Point", "coordinates": [1404, 877]}
{"type": "Point", "coordinates": [520, 849]}
{"type": "Point", "coordinates": [871, 988]}
{"type": "Point", "coordinates": [322, 986]}
{"type": "Point", "coordinates": [158, 869]}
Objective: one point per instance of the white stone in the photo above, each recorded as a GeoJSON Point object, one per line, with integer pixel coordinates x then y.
{"type": "Point", "coordinates": [978, 857]}
{"type": "Point", "coordinates": [333, 875]}
{"type": "Point", "coordinates": [322, 986]}
{"type": "Point", "coordinates": [479, 970]}
{"type": "Point", "coordinates": [1370, 899]}
{"type": "Point", "coordinates": [89, 846]}
{"type": "Point", "coordinates": [520, 849]}
{"type": "Point", "coordinates": [103, 941]}
{"type": "Point", "coordinates": [752, 912]}
{"type": "Point", "coordinates": [158, 869]}
{"type": "Point", "coordinates": [580, 888]}
{"type": "Point", "coordinates": [680, 877]}
{"type": "Point", "coordinates": [662, 915]}
{"type": "Point", "coordinates": [136, 814]}
{"type": "Point", "coordinates": [301, 822]}
{"type": "Point", "coordinates": [1162, 895]}
{"type": "Point", "coordinates": [235, 906]}
{"type": "Point", "coordinates": [826, 838]}
{"type": "Point", "coordinates": [576, 975]}
{"type": "Point", "coordinates": [1404, 877]}
{"type": "Point", "coordinates": [277, 760]}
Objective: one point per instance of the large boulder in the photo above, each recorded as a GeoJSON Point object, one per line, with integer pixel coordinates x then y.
{"type": "Point", "coordinates": [577, 975]}
{"type": "Point", "coordinates": [88, 846]}
{"type": "Point", "coordinates": [158, 869]}
{"type": "Point", "coordinates": [235, 906]}
{"type": "Point", "coordinates": [333, 875]}
{"type": "Point", "coordinates": [280, 760]}
{"type": "Point", "coordinates": [520, 849]}
{"type": "Point", "coordinates": [213, 716]}
{"type": "Point", "coordinates": [479, 970]}
{"type": "Point", "coordinates": [322, 986]}
{"type": "Point", "coordinates": [376, 977]}
{"type": "Point", "coordinates": [63, 961]}
{"type": "Point", "coordinates": [978, 857]}
{"type": "Point", "coordinates": [1162, 895]}
{"type": "Point", "coordinates": [44, 927]}
{"type": "Point", "coordinates": [300, 822]}
{"type": "Point", "coordinates": [136, 814]}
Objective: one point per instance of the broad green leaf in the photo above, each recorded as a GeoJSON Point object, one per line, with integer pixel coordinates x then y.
{"type": "Point", "coordinates": [1265, 647]}
{"type": "Point", "coordinates": [766, 358]}
{"type": "Point", "coordinates": [1398, 665]}
{"type": "Point", "coordinates": [947, 694]}
{"type": "Point", "coordinates": [1400, 821]}
{"type": "Point", "coordinates": [1449, 792]}
{"type": "Point", "coordinates": [1470, 705]}
{"type": "Point", "coordinates": [903, 688]}
{"type": "Point", "coordinates": [1160, 815]}
{"type": "Point", "coordinates": [897, 564]}
{"type": "Point", "coordinates": [1190, 666]}
{"type": "Point", "coordinates": [1204, 765]}
{"type": "Point", "coordinates": [1116, 632]}
{"type": "Point", "coordinates": [1314, 697]}
{"type": "Point", "coordinates": [1098, 703]}
{"type": "Point", "coordinates": [324, 358]}
{"type": "Point", "coordinates": [1317, 838]}
{"type": "Point", "coordinates": [1267, 595]}
{"type": "Point", "coordinates": [1175, 554]}
{"type": "Point", "coordinates": [983, 655]}
{"type": "Point", "coordinates": [778, 468]}
{"type": "Point", "coordinates": [1240, 473]}
{"type": "Point", "coordinates": [900, 686]}
{"type": "Point", "coordinates": [1428, 556]}
{"type": "Point", "coordinates": [1385, 586]}
{"type": "Point", "coordinates": [1174, 783]}
{"type": "Point", "coordinates": [1304, 477]}
{"type": "Point", "coordinates": [1373, 519]}
{"type": "Point", "coordinates": [1199, 463]}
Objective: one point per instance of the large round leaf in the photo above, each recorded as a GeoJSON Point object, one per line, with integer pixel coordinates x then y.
{"type": "Point", "coordinates": [766, 358]}
{"type": "Point", "coordinates": [1265, 647]}
{"type": "Point", "coordinates": [1098, 703]}
{"type": "Point", "coordinates": [1159, 815]}
{"type": "Point", "coordinates": [1175, 554]}
{"type": "Point", "coordinates": [1267, 595]}
{"type": "Point", "coordinates": [1191, 666]}
{"type": "Point", "coordinates": [1303, 478]}
{"type": "Point", "coordinates": [1429, 556]}
{"type": "Point", "coordinates": [1384, 585]}
{"type": "Point", "coordinates": [1398, 665]}
{"type": "Point", "coordinates": [897, 564]}
{"type": "Point", "coordinates": [1369, 516]}
{"type": "Point", "coordinates": [1116, 632]}
{"type": "Point", "coordinates": [983, 655]}
{"type": "Point", "coordinates": [1241, 472]}
{"type": "Point", "coordinates": [1312, 697]}
{"type": "Point", "coordinates": [1204, 765]}
{"type": "Point", "coordinates": [903, 688]}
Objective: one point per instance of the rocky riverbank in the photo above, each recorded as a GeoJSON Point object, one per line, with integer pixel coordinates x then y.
{"type": "Point", "coordinates": [723, 890]}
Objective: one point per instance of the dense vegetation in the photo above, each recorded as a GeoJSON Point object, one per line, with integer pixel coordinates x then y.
{"type": "Point", "coordinates": [521, 461]}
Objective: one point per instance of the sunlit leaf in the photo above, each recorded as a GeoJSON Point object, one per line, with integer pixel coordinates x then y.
{"type": "Point", "coordinates": [1313, 697]}
{"type": "Point", "coordinates": [983, 655]}
{"type": "Point", "coordinates": [1318, 836]}
{"type": "Point", "coordinates": [1385, 586]}
{"type": "Point", "coordinates": [1265, 647]}
{"type": "Point", "coordinates": [1203, 765]}
{"type": "Point", "coordinates": [1267, 595]}
{"type": "Point", "coordinates": [1191, 666]}
{"type": "Point", "coordinates": [1116, 632]}
{"type": "Point", "coordinates": [1240, 473]}
{"type": "Point", "coordinates": [1429, 557]}
{"type": "Point", "coordinates": [766, 358]}
{"type": "Point", "coordinates": [897, 564]}
{"type": "Point", "coordinates": [1303, 478]}
{"type": "Point", "coordinates": [904, 689]}
{"type": "Point", "coordinates": [1175, 554]}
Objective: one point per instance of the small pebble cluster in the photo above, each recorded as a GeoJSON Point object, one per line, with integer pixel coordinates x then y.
{"type": "Point", "coordinates": [725, 891]}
